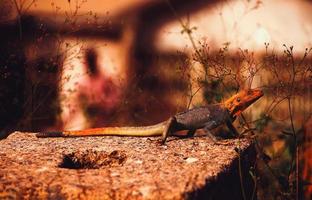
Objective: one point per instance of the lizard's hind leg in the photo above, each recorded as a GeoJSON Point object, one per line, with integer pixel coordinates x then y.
{"type": "Point", "coordinates": [168, 128]}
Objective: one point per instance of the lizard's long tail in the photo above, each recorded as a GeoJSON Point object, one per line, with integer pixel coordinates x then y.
{"type": "Point", "coordinates": [140, 131]}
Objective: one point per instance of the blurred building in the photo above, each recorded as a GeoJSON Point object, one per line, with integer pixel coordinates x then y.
{"type": "Point", "coordinates": [98, 63]}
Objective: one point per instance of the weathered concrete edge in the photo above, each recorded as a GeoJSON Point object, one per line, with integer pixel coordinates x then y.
{"type": "Point", "coordinates": [227, 184]}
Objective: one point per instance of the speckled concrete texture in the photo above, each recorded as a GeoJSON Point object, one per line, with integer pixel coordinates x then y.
{"type": "Point", "coordinates": [113, 167]}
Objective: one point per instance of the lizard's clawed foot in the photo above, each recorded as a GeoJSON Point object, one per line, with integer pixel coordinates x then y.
{"type": "Point", "coordinates": [162, 142]}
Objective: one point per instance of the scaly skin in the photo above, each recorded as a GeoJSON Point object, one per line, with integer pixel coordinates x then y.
{"type": "Point", "coordinates": [206, 117]}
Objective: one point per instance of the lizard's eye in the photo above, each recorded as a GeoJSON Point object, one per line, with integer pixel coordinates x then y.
{"type": "Point", "coordinates": [238, 100]}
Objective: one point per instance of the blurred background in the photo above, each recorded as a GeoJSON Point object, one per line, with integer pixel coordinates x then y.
{"type": "Point", "coordinates": [75, 64]}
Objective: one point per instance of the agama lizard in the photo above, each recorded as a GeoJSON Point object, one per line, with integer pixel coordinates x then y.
{"type": "Point", "coordinates": [204, 117]}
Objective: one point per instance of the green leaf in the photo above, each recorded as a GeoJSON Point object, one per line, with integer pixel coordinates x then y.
{"type": "Point", "coordinates": [263, 122]}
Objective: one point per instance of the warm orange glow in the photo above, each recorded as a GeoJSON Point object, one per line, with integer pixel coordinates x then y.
{"type": "Point", "coordinates": [99, 7]}
{"type": "Point", "coordinates": [277, 22]}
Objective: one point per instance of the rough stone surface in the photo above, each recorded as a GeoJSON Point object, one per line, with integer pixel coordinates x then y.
{"type": "Point", "coordinates": [120, 168]}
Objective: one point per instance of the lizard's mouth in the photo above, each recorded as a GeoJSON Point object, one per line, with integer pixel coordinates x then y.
{"type": "Point", "coordinates": [253, 95]}
{"type": "Point", "coordinates": [244, 99]}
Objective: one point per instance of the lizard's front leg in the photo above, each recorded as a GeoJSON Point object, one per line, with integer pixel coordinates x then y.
{"type": "Point", "coordinates": [191, 133]}
{"type": "Point", "coordinates": [209, 126]}
{"type": "Point", "coordinates": [171, 122]}
{"type": "Point", "coordinates": [232, 128]}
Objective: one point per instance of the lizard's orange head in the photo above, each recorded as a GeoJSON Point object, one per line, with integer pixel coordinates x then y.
{"type": "Point", "coordinates": [240, 101]}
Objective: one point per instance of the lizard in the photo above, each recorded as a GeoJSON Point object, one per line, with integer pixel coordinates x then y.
{"type": "Point", "coordinates": [204, 117]}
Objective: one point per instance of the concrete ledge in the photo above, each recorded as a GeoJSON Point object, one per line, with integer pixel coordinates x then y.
{"type": "Point", "coordinates": [122, 168]}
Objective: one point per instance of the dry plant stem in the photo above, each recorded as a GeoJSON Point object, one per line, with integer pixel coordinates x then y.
{"type": "Point", "coordinates": [200, 56]}
{"type": "Point", "coordinates": [299, 73]}
{"type": "Point", "coordinates": [37, 106]}
{"type": "Point", "coordinates": [19, 13]}
{"type": "Point", "coordinates": [255, 188]}
{"type": "Point", "coordinates": [259, 148]}
{"type": "Point", "coordinates": [73, 17]}
{"type": "Point", "coordinates": [274, 104]}
{"type": "Point", "coordinates": [297, 172]}
{"type": "Point", "coordinates": [192, 96]}
{"type": "Point", "coordinates": [294, 155]}
{"type": "Point", "coordinates": [188, 31]}
{"type": "Point", "coordinates": [240, 171]}
{"type": "Point", "coordinates": [239, 165]}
